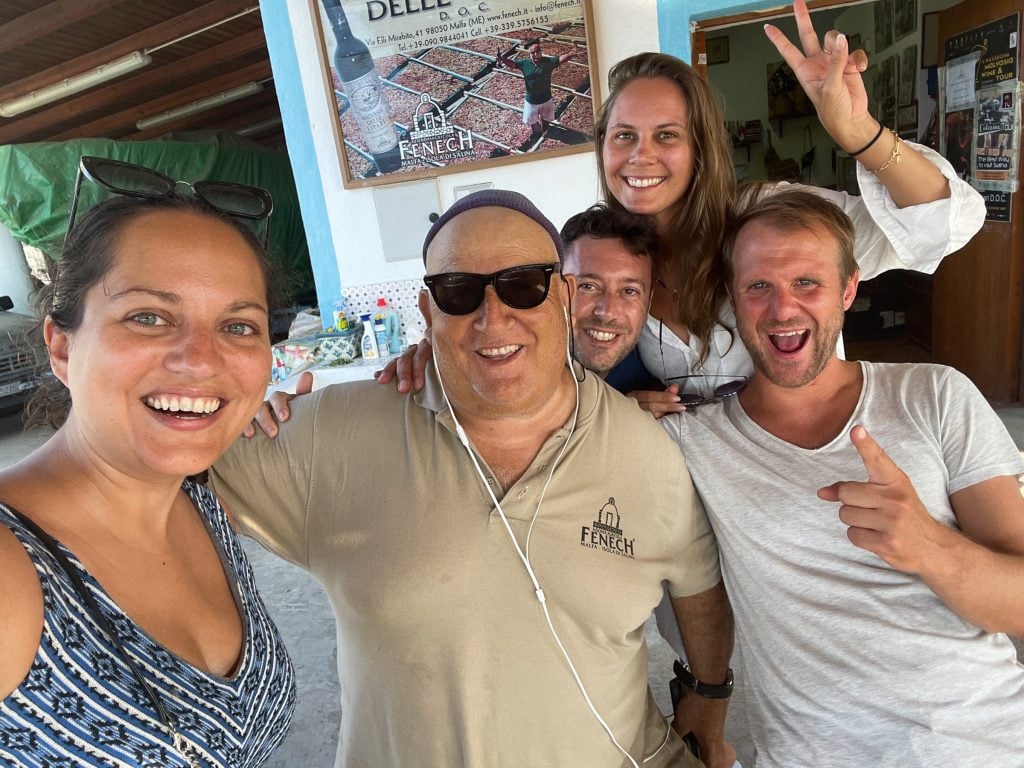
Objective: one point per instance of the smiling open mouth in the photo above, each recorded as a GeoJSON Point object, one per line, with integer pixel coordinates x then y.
{"type": "Point", "coordinates": [599, 335]}
{"type": "Point", "coordinates": [644, 183]}
{"type": "Point", "coordinates": [184, 407]}
{"type": "Point", "coordinates": [499, 353]}
{"type": "Point", "coordinates": [789, 341]}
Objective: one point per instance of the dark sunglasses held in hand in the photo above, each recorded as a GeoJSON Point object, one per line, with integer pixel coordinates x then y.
{"type": "Point", "coordinates": [461, 293]}
{"type": "Point", "coordinates": [237, 200]}
{"type": "Point", "coordinates": [722, 391]}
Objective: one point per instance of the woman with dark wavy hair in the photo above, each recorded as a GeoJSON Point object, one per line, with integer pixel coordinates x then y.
{"type": "Point", "coordinates": [132, 633]}
{"type": "Point", "coordinates": [662, 151]}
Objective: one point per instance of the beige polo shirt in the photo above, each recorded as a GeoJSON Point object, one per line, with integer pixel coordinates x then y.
{"type": "Point", "coordinates": [444, 654]}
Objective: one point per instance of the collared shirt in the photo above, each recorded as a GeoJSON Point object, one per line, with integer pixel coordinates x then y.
{"type": "Point", "coordinates": [444, 654]}
{"type": "Point", "coordinates": [538, 78]}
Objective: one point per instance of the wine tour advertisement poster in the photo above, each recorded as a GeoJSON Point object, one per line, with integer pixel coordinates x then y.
{"type": "Point", "coordinates": [421, 86]}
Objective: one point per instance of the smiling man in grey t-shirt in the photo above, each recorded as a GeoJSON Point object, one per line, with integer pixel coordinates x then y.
{"type": "Point", "coordinates": [870, 523]}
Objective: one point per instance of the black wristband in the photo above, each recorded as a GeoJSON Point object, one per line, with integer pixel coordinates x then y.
{"type": "Point", "coordinates": [870, 144]}
{"type": "Point", "coordinates": [722, 691]}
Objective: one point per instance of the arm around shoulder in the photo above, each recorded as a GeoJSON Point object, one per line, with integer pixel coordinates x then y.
{"type": "Point", "coordinates": [266, 482]}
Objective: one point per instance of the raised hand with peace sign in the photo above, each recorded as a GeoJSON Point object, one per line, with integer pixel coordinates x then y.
{"type": "Point", "coordinates": [830, 74]}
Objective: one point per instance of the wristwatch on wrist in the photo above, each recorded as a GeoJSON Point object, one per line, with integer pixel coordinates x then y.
{"type": "Point", "coordinates": [708, 691]}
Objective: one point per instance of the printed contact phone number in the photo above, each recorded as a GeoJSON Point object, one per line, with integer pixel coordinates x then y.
{"type": "Point", "coordinates": [511, 26]}
{"type": "Point", "coordinates": [429, 42]}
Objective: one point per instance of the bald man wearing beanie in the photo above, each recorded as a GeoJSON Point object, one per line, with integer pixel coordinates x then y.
{"type": "Point", "coordinates": [493, 545]}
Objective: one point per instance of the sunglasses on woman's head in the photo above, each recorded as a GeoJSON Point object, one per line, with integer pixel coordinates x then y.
{"type": "Point", "coordinates": [237, 200]}
{"type": "Point", "coordinates": [461, 293]}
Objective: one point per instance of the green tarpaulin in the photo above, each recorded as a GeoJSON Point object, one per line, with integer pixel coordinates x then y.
{"type": "Point", "coordinates": [37, 182]}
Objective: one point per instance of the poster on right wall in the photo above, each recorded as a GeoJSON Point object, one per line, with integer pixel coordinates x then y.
{"type": "Point", "coordinates": [981, 135]}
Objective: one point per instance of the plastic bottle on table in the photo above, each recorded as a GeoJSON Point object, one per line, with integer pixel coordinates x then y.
{"type": "Point", "coordinates": [392, 324]}
{"type": "Point", "coordinates": [380, 333]}
{"type": "Point", "coordinates": [340, 314]}
{"type": "Point", "coordinates": [369, 345]}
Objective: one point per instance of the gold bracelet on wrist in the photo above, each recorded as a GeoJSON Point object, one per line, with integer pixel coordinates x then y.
{"type": "Point", "coordinates": [895, 157]}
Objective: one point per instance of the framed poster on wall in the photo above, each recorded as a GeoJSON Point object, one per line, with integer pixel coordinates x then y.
{"type": "Point", "coordinates": [884, 12]}
{"type": "Point", "coordinates": [455, 87]}
{"type": "Point", "coordinates": [904, 18]}
{"type": "Point", "coordinates": [908, 75]}
{"type": "Point", "coordinates": [906, 121]}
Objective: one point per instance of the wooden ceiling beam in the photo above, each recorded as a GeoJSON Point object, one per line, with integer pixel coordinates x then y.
{"type": "Point", "coordinates": [15, 129]}
{"type": "Point", "coordinates": [40, 22]}
{"type": "Point", "coordinates": [158, 34]}
{"type": "Point", "coordinates": [116, 124]}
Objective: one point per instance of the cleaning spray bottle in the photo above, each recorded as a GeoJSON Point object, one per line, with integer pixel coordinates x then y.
{"type": "Point", "coordinates": [392, 325]}
{"type": "Point", "coordinates": [369, 344]}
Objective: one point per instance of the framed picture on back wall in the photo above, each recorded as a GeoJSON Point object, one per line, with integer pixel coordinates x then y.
{"type": "Point", "coordinates": [908, 74]}
{"type": "Point", "coordinates": [885, 91]}
{"type": "Point", "coordinates": [418, 95]}
{"type": "Point", "coordinates": [905, 20]}
{"type": "Point", "coordinates": [906, 121]}
{"type": "Point", "coordinates": [883, 25]}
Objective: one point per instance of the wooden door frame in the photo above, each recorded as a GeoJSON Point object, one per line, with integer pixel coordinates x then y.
{"type": "Point", "coordinates": [700, 28]}
{"type": "Point", "coordinates": [989, 288]}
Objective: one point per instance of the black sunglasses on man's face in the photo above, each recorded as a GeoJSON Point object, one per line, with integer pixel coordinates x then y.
{"type": "Point", "coordinates": [461, 293]}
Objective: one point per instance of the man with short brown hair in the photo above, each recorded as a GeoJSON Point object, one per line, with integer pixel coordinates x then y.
{"type": "Point", "coordinates": [610, 254]}
{"type": "Point", "coordinates": [870, 522]}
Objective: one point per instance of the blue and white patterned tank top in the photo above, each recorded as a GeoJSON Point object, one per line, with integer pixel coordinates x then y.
{"type": "Point", "coordinates": [81, 706]}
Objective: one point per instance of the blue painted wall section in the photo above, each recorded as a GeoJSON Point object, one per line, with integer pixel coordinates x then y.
{"type": "Point", "coordinates": [299, 136]}
{"type": "Point", "coordinates": [674, 17]}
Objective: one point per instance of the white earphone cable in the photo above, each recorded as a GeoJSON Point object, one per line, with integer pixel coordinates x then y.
{"type": "Point", "coordinates": [525, 556]}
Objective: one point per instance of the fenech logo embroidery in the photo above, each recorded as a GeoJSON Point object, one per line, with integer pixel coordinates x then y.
{"type": "Point", "coordinates": [606, 532]}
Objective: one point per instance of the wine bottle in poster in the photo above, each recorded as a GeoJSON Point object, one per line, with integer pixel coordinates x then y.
{"type": "Point", "coordinates": [361, 84]}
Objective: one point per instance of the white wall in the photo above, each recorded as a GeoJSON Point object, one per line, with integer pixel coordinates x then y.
{"type": "Point", "coordinates": [559, 186]}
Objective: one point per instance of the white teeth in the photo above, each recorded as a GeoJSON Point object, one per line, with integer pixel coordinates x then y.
{"type": "Point", "coordinates": [600, 335]}
{"type": "Point", "coordinates": [176, 404]}
{"type": "Point", "coordinates": [788, 333]}
{"type": "Point", "coordinates": [644, 183]}
{"type": "Point", "coordinates": [499, 351]}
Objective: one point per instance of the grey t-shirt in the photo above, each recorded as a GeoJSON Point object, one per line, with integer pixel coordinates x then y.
{"type": "Point", "coordinates": [846, 661]}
